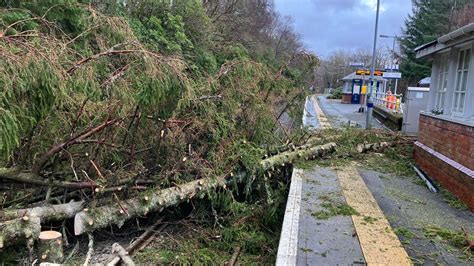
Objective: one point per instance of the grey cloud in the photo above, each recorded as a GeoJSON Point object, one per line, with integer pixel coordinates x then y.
{"type": "Point", "coordinates": [330, 25]}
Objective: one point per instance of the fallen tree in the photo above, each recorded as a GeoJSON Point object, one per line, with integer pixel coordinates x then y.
{"type": "Point", "coordinates": [101, 217]}
{"type": "Point", "coordinates": [86, 220]}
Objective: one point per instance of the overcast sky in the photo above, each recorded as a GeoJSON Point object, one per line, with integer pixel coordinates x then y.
{"type": "Point", "coordinates": [329, 25]}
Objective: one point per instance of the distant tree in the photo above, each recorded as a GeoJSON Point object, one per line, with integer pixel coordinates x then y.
{"type": "Point", "coordinates": [429, 20]}
{"type": "Point", "coordinates": [338, 65]}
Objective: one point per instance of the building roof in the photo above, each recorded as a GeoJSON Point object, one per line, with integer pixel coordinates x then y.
{"type": "Point", "coordinates": [353, 76]}
{"type": "Point", "coordinates": [425, 81]}
{"type": "Point", "coordinates": [446, 41]}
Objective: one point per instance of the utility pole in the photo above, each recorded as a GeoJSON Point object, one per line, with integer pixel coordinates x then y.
{"type": "Point", "coordinates": [370, 100]}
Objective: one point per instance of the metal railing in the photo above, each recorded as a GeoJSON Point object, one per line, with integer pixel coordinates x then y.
{"type": "Point", "coordinates": [393, 102]}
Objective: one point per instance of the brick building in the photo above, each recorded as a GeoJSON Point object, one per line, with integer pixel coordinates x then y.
{"type": "Point", "coordinates": [445, 147]}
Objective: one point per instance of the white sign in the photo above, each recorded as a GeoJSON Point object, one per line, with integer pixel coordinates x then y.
{"type": "Point", "coordinates": [356, 89]}
{"type": "Point", "coordinates": [392, 75]}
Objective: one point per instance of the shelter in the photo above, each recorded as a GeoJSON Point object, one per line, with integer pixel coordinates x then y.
{"type": "Point", "coordinates": [353, 84]}
{"type": "Point", "coordinates": [445, 147]}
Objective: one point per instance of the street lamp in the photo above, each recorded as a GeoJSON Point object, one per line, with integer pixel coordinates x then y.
{"type": "Point", "coordinates": [394, 37]}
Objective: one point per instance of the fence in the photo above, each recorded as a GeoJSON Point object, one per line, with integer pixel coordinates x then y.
{"type": "Point", "coordinates": [392, 102]}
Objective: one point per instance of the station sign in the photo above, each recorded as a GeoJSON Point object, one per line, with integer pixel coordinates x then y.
{"type": "Point", "coordinates": [365, 72]}
{"type": "Point", "coordinates": [392, 75]}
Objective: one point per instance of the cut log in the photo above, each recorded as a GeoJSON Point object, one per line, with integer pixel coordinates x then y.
{"type": "Point", "coordinates": [25, 224]}
{"type": "Point", "coordinates": [50, 247]}
{"type": "Point", "coordinates": [234, 257]}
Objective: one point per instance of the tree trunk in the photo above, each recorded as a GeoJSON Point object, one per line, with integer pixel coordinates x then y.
{"type": "Point", "coordinates": [24, 229]}
{"type": "Point", "coordinates": [90, 220]}
{"type": "Point", "coordinates": [50, 247]}
{"type": "Point", "coordinates": [362, 148]}
{"type": "Point", "coordinates": [46, 213]}
{"type": "Point", "coordinates": [289, 157]}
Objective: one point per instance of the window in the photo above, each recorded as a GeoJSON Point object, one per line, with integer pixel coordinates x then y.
{"type": "Point", "coordinates": [462, 74]}
{"type": "Point", "coordinates": [442, 83]}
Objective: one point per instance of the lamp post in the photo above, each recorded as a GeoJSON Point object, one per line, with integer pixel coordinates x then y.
{"type": "Point", "coordinates": [370, 100]}
{"type": "Point", "coordinates": [395, 37]}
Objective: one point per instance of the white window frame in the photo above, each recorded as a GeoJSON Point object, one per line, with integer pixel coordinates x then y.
{"type": "Point", "coordinates": [460, 89]}
{"type": "Point", "coordinates": [442, 85]}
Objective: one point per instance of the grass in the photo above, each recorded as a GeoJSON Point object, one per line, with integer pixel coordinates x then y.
{"type": "Point", "coordinates": [332, 209]}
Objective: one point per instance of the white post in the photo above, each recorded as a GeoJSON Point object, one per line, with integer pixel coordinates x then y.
{"type": "Point", "coordinates": [396, 85]}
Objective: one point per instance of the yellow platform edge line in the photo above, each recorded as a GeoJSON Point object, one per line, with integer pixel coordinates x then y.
{"type": "Point", "coordinates": [380, 245]}
{"type": "Point", "coordinates": [321, 116]}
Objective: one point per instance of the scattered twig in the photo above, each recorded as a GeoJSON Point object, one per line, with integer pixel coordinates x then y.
{"type": "Point", "coordinates": [62, 146]}
{"type": "Point", "coordinates": [234, 257]}
{"type": "Point", "coordinates": [73, 251]}
{"type": "Point", "coordinates": [123, 254]}
{"type": "Point", "coordinates": [469, 242]}
{"type": "Point", "coordinates": [90, 250]}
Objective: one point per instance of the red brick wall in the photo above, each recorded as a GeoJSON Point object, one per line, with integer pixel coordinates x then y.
{"type": "Point", "coordinates": [346, 98]}
{"type": "Point", "coordinates": [453, 140]}
{"type": "Point", "coordinates": [450, 178]}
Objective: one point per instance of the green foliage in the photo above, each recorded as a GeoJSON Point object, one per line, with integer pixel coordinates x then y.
{"type": "Point", "coordinates": [165, 33]}
{"type": "Point", "coordinates": [452, 200]}
{"type": "Point", "coordinates": [454, 238]}
{"type": "Point", "coordinates": [336, 94]}
{"type": "Point", "coordinates": [334, 209]}
{"type": "Point", "coordinates": [25, 101]}
{"type": "Point", "coordinates": [407, 234]}
{"type": "Point", "coordinates": [9, 133]}
{"type": "Point", "coordinates": [22, 21]}
{"type": "Point", "coordinates": [161, 95]}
